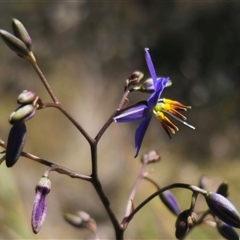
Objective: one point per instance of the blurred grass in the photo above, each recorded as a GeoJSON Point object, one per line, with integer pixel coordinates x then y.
{"type": "Point", "coordinates": [14, 221]}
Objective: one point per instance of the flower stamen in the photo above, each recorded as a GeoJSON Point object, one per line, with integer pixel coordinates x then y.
{"type": "Point", "coordinates": [167, 125]}
{"type": "Point", "coordinates": [172, 108]}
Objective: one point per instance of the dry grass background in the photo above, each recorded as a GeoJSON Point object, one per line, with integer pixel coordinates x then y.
{"type": "Point", "coordinates": [89, 81]}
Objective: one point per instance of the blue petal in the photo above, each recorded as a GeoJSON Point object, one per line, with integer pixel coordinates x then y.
{"type": "Point", "coordinates": [151, 67]}
{"type": "Point", "coordinates": [135, 113]}
{"type": "Point", "coordinates": [153, 99]}
{"type": "Point", "coordinates": [140, 132]}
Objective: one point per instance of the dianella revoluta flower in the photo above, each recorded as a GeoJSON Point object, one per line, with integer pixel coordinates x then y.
{"type": "Point", "coordinates": [143, 111]}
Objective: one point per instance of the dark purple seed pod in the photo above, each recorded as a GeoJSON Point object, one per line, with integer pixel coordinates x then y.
{"type": "Point", "coordinates": [223, 189]}
{"type": "Point", "coordinates": [22, 114]}
{"type": "Point", "coordinates": [15, 143]}
{"type": "Point", "coordinates": [39, 211]}
{"type": "Point", "coordinates": [227, 231]}
{"type": "Point", "coordinates": [15, 44]}
{"type": "Point", "coordinates": [21, 33]}
{"type": "Point", "coordinates": [222, 208]}
{"type": "Point", "coordinates": [182, 224]}
{"type": "Point", "coordinates": [170, 202]}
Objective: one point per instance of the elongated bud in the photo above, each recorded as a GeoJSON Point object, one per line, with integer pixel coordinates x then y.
{"type": "Point", "coordinates": [223, 189]}
{"type": "Point", "coordinates": [27, 97]}
{"type": "Point", "coordinates": [222, 208]}
{"type": "Point", "coordinates": [21, 33]}
{"type": "Point", "coordinates": [227, 231]}
{"type": "Point", "coordinates": [133, 79]}
{"type": "Point", "coordinates": [147, 86]}
{"type": "Point", "coordinates": [170, 202]}
{"type": "Point", "coordinates": [203, 181]}
{"type": "Point", "coordinates": [22, 114]}
{"type": "Point", "coordinates": [15, 144]}
{"type": "Point", "coordinates": [81, 220]}
{"type": "Point", "coordinates": [40, 203]}
{"type": "Point", "coordinates": [74, 220]}
{"type": "Point", "coordinates": [182, 224]}
{"type": "Point", "coordinates": [15, 44]}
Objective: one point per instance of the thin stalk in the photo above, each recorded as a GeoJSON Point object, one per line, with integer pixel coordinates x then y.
{"type": "Point", "coordinates": [98, 187]}
{"type": "Point", "coordinates": [44, 81]}
{"type": "Point", "coordinates": [110, 120]}
{"type": "Point", "coordinates": [134, 189]}
{"type": "Point", "coordinates": [155, 194]}
{"type": "Point", "coordinates": [95, 180]}
{"type": "Point", "coordinates": [56, 167]}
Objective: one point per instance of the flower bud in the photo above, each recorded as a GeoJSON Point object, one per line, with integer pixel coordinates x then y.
{"type": "Point", "coordinates": [227, 231]}
{"type": "Point", "coordinates": [147, 86]}
{"type": "Point", "coordinates": [223, 189]}
{"type": "Point", "coordinates": [15, 44]}
{"type": "Point", "coordinates": [40, 203]}
{"type": "Point", "coordinates": [133, 79]}
{"type": "Point", "coordinates": [22, 114]}
{"type": "Point", "coordinates": [222, 208]}
{"type": "Point", "coordinates": [74, 220]}
{"type": "Point", "coordinates": [170, 202]}
{"type": "Point", "coordinates": [15, 144]}
{"type": "Point", "coordinates": [182, 224]}
{"type": "Point", "coordinates": [81, 220]}
{"type": "Point", "coordinates": [150, 157]}
{"type": "Point", "coordinates": [21, 33]}
{"type": "Point", "coordinates": [203, 182]}
{"type": "Point", "coordinates": [27, 97]}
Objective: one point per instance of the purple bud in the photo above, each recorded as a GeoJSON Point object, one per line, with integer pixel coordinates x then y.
{"type": "Point", "coordinates": [40, 203]}
{"type": "Point", "coordinates": [170, 202]}
{"type": "Point", "coordinates": [222, 208]}
{"type": "Point", "coordinates": [227, 231]}
{"type": "Point", "coordinates": [15, 144]}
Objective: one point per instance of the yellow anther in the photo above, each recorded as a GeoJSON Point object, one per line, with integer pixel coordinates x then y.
{"type": "Point", "coordinates": [172, 108]}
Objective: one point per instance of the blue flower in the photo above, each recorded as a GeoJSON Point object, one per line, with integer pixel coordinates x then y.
{"type": "Point", "coordinates": [142, 111]}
